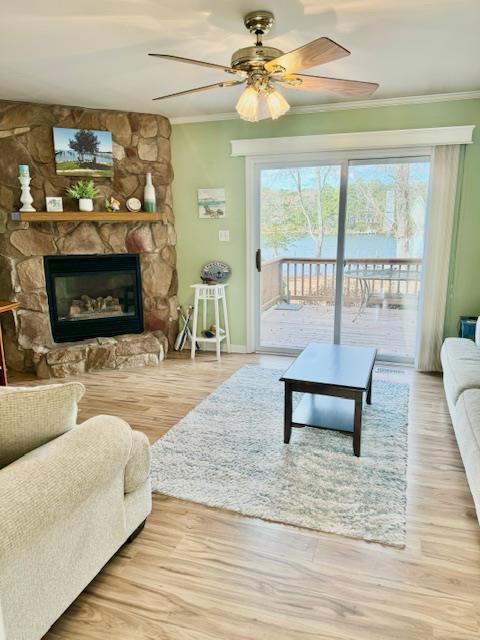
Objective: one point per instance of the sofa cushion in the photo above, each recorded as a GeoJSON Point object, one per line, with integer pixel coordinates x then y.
{"type": "Point", "coordinates": [466, 423]}
{"type": "Point", "coordinates": [461, 367]}
{"type": "Point", "coordinates": [31, 416]}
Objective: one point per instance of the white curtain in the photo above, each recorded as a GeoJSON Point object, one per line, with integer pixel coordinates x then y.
{"type": "Point", "coordinates": [438, 240]}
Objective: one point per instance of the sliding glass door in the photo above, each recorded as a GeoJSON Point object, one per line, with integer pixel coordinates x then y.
{"type": "Point", "coordinates": [299, 208]}
{"type": "Point", "coordinates": [340, 249]}
{"type": "Point", "coordinates": [384, 231]}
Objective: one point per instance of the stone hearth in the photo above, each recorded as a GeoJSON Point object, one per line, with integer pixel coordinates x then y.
{"type": "Point", "coordinates": [134, 350]}
{"type": "Point", "coordinates": [141, 145]}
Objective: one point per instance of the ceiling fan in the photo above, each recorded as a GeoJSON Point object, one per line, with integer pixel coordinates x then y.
{"type": "Point", "coordinates": [262, 67]}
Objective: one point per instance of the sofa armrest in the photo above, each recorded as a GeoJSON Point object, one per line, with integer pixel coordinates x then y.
{"type": "Point", "coordinates": [138, 465]}
{"type": "Point", "coordinates": [48, 483]}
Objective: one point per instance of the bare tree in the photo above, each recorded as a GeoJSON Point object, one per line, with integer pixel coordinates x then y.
{"type": "Point", "coordinates": [404, 226]}
{"type": "Point", "coordinates": [367, 196]}
{"type": "Point", "coordinates": [312, 210]}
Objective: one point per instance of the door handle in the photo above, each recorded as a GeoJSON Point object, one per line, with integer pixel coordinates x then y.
{"type": "Point", "coordinates": [258, 259]}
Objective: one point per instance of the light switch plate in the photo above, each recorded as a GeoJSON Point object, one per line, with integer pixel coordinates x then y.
{"type": "Point", "coordinates": [224, 235]}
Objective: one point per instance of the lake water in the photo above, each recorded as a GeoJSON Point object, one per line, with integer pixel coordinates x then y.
{"type": "Point", "coordinates": [356, 246]}
{"type": "Point", "coordinates": [100, 156]}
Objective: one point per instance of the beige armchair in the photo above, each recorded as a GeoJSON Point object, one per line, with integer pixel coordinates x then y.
{"type": "Point", "coordinates": [70, 496]}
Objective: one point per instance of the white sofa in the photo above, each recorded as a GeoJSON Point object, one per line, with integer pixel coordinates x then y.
{"type": "Point", "coordinates": [70, 496]}
{"type": "Point", "coordinates": [461, 378]}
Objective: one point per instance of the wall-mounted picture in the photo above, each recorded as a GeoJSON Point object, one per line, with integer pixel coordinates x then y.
{"type": "Point", "coordinates": [83, 152]}
{"type": "Point", "coordinates": [54, 204]}
{"type": "Point", "coordinates": [211, 203]}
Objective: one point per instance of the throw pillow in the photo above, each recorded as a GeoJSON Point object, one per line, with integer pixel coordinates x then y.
{"type": "Point", "coordinates": [31, 416]}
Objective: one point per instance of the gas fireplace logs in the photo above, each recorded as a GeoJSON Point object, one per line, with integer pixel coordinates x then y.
{"type": "Point", "coordinates": [94, 307]}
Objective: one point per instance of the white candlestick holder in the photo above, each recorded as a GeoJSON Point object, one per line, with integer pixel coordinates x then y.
{"type": "Point", "coordinates": [26, 197]}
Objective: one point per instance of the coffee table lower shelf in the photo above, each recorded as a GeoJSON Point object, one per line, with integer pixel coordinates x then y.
{"type": "Point", "coordinates": [324, 412]}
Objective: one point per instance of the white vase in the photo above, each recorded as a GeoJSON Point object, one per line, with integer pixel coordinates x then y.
{"type": "Point", "coordinates": [149, 199]}
{"type": "Point", "coordinates": [85, 204]}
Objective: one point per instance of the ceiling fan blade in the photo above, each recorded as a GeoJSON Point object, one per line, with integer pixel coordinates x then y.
{"type": "Point", "coordinates": [218, 85]}
{"type": "Point", "coordinates": [351, 88]}
{"type": "Point", "coordinates": [312, 54]}
{"type": "Point", "coordinates": [210, 65]}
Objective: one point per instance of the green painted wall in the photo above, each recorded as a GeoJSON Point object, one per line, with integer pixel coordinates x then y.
{"type": "Point", "coordinates": [201, 158]}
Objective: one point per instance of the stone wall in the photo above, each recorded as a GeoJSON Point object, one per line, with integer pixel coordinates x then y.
{"type": "Point", "coordinates": [140, 145]}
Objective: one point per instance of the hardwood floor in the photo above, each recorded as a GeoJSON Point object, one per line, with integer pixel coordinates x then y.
{"type": "Point", "coordinates": [197, 573]}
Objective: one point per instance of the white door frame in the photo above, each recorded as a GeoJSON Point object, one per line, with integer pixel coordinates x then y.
{"type": "Point", "coordinates": [253, 167]}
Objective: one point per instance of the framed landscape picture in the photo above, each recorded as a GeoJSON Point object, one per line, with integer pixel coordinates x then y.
{"type": "Point", "coordinates": [54, 204]}
{"type": "Point", "coordinates": [211, 203]}
{"type": "Point", "coordinates": [83, 152]}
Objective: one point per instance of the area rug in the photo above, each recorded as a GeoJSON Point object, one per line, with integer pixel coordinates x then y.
{"type": "Point", "coordinates": [228, 452]}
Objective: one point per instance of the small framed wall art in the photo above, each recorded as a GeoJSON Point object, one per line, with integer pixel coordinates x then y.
{"type": "Point", "coordinates": [54, 204]}
{"type": "Point", "coordinates": [211, 203]}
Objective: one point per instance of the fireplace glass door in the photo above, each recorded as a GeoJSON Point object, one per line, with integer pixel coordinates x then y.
{"type": "Point", "coordinates": [93, 296]}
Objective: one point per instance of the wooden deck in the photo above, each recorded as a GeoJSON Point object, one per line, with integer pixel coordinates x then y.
{"type": "Point", "coordinates": [390, 330]}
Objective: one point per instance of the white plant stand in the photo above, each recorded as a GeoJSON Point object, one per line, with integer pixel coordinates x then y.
{"type": "Point", "coordinates": [214, 293]}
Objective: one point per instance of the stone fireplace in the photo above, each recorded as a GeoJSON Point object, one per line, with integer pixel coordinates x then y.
{"type": "Point", "coordinates": [31, 251]}
{"type": "Point", "coordinates": [32, 265]}
{"type": "Point", "coordinates": [93, 296]}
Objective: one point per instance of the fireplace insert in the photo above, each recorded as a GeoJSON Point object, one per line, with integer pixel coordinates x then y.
{"type": "Point", "coordinates": [93, 296]}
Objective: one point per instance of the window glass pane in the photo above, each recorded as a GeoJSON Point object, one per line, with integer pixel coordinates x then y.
{"type": "Point", "coordinates": [384, 237]}
{"type": "Point", "coordinates": [299, 231]}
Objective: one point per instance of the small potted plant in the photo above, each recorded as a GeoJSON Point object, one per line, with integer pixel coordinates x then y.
{"type": "Point", "coordinates": [84, 191]}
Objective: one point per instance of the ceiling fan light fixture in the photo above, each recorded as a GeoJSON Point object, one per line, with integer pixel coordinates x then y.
{"type": "Point", "coordinates": [247, 105]}
{"type": "Point", "coordinates": [261, 65]}
{"type": "Point", "coordinates": [277, 105]}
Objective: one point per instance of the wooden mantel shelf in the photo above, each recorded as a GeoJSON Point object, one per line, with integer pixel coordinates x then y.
{"type": "Point", "coordinates": [98, 216]}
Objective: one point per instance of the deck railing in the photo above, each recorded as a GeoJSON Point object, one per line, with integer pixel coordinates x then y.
{"type": "Point", "coordinates": [312, 280]}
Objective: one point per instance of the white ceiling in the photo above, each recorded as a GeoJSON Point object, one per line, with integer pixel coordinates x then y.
{"type": "Point", "coordinates": [93, 52]}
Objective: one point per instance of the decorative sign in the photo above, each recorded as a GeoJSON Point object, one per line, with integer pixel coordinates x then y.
{"type": "Point", "coordinates": [211, 203]}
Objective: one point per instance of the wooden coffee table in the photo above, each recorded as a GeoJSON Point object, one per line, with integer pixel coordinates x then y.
{"type": "Point", "coordinates": [333, 379]}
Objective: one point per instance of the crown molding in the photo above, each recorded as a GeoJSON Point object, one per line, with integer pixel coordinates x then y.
{"type": "Point", "coordinates": [343, 106]}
